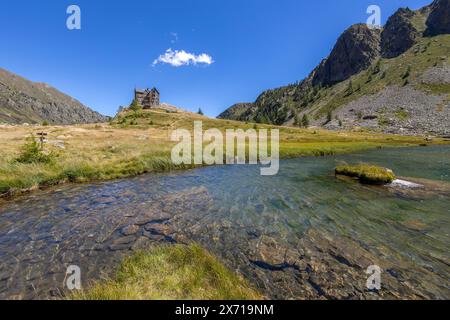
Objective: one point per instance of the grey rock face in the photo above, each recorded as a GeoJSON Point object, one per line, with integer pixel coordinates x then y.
{"type": "Point", "coordinates": [399, 34]}
{"type": "Point", "coordinates": [24, 101]}
{"type": "Point", "coordinates": [439, 19]}
{"type": "Point", "coordinates": [356, 49]}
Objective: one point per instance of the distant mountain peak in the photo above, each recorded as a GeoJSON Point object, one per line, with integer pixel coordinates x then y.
{"type": "Point", "coordinates": [355, 50]}
{"type": "Point", "coordinates": [24, 101]}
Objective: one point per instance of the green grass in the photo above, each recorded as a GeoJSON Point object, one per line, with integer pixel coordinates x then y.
{"type": "Point", "coordinates": [32, 153]}
{"type": "Point", "coordinates": [13, 177]}
{"type": "Point", "coordinates": [435, 88]}
{"type": "Point", "coordinates": [366, 173]}
{"type": "Point", "coordinates": [402, 114]}
{"type": "Point", "coordinates": [171, 272]}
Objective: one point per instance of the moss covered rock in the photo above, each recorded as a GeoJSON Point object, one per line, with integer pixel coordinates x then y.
{"type": "Point", "coordinates": [366, 173]}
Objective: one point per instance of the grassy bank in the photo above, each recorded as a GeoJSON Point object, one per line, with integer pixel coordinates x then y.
{"type": "Point", "coordinates": [136, 143]}
{"type": "Point", "coordinates": [172, 272]}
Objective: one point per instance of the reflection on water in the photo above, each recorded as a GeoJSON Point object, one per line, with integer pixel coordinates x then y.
{"type": "Point", "coordinates": [300, 234]}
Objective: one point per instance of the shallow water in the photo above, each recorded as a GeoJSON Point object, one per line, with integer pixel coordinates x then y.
{"type": "Point", "coordinates": [300, 234]}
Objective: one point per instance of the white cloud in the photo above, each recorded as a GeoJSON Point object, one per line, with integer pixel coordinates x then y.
{"type": "Point", "coordinates": [180, 58]}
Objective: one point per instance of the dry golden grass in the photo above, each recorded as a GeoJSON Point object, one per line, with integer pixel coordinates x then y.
{"type": "Point", "coordinates": [138, 143]}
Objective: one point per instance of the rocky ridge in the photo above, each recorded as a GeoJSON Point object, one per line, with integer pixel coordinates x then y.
{"type": "Point", "coordinates": [24, 101]}
{"type": "Point", "coordinates": [438, 21]}
{"type": "Point", "coordinates": [356, 49]}
{"type": "Point", "coordinates": [399, 34]}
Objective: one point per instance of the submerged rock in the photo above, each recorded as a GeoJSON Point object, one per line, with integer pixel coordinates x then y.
{"type": "Point", "coordinates": [405, 184]}
{"type": "Point", "coordinates": [130, 230]}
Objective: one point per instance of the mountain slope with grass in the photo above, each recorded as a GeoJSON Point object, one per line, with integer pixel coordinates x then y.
{"type": "Point", "coordinates": [238, 111]}
{"type": "Point", "coordinates": [395, 80]}
{"type": "Point", "coordinates": [24, 101]}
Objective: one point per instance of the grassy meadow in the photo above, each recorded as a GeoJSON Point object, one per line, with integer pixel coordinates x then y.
{"type": "Point", "coordinates": [139, 142]}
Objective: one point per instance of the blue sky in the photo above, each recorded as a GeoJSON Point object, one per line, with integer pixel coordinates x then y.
{"type": "Point", "coordinates": [254, 44]}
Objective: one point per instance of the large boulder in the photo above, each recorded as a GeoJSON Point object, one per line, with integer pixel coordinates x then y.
{"type": "Point", "coordinates": [356, 49]}
{"type": "Point", "coordinates": [399, 34]}
{"type": "Point", "coordinates": [438, 21]}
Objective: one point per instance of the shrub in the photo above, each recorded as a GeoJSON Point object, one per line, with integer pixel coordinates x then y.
{"type": "Point", "coordinates": [32, 153]}
{"type": "Point", "coordinates": [135, 106]}
{"type": "Point", "coordinates": [407, 73]}
{"type": "Point", "coordinates": [377, 68]}
{"type": "Point", "coordinates": [383, 121]}
{"type": "Point", "coordinates": [349, 90]}
{"type": "Point", "coordinates": [329, 116]}
{"type": "Point", "coordinates": [296, 120]}
{"type": "Point", "coordinates": [305, 121]}
{"type": "Point", "coordinates": [402, 114]}
{"type": "Point", "coordinates": [359, 115]}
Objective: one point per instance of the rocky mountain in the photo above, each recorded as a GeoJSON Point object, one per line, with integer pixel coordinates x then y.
{"type": "Point", "coordinates": [396, 80]}
{"type": "Point", "coordinates": [399, 34]}
{"type": "Point", "coordinates": [356, 49]}
{"type": "Point", "coordinates": [438, 21]}
{"type": "Point", "coordinates": [24, 101]}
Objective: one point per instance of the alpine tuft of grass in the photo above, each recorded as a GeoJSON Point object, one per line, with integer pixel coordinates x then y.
{"type": "Point", "coordinates": [366, 173]}
{"type": "Point", "coordinates": [171, 272]}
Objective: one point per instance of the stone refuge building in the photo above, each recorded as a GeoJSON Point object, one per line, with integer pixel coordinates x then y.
{"type": "Point", "coordinates": [148, 98]}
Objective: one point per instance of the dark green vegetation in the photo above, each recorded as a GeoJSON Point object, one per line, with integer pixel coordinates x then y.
{"type": "Point", "coordinates": [366, 173]}
{"type": "Point", "coordinates": [174, 272]}
{"type": "Point", "coordinates": [32, 153]}
{"type": "Point", "coordinates": [135, 106]}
